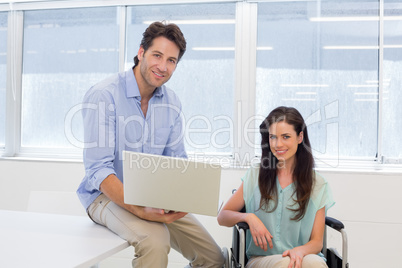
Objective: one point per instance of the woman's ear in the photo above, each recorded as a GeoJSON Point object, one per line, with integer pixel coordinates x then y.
{"type": "Point", "coordinates": [300, 138]}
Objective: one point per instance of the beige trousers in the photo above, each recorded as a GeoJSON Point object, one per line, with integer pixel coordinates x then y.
{"type": "Point", "coordinates": [152, 240]}
{"type": "Point", "coordinates": [277, 261]}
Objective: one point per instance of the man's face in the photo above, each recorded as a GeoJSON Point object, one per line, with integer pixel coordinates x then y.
{"type": "Point", "coordinates": [158, 63]}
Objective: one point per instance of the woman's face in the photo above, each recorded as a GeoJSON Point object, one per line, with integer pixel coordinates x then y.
{"type": "Point", "coordinates": [283, 141]}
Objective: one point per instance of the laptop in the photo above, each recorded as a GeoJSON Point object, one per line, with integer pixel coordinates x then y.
{"type": "Point", "coordinates": [170, 183]}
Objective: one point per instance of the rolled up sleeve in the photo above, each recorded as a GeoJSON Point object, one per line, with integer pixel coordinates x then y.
{"type": "Point", "coordinates": [99, 138]}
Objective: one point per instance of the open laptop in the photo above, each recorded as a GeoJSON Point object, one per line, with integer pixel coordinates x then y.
{"type": "Point", "coordinates": [170, 183]}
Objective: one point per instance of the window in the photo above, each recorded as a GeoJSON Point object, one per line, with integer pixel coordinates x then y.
{"type": "Point", "coordinates": [338, 62]}
{"type": "Point", "coordinates": [204, 77]}
{"type": "Point", "coordinates": [392, 81]}
{"type": "Point", "coordinates": [3, 75]}
{"type": "Point", "coordinates": [322, 58]}
{"type": "Point", "coordinates": [66, 51]}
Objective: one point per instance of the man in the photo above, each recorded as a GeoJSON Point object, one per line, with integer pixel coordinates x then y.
{"type": "Point", "coordinates": [135, 111]}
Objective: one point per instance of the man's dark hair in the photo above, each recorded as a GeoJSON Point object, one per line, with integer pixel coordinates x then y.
{"type": "Point", "coordinates": [170, 31]}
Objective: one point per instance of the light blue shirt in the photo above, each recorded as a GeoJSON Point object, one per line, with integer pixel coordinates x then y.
{"type": "Point", "coordinates": [114, 121]}
{"type": "Point", "coordinates": [286, 233]}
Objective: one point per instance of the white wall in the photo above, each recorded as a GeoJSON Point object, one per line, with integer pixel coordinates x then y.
{"type": "Point", "coordinates": [367, 203]}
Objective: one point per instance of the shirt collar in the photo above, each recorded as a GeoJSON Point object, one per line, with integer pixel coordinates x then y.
{"type": "Point", "coordinates": [158, 92]}
{"type": "Point", "coordinates": [132, 87]}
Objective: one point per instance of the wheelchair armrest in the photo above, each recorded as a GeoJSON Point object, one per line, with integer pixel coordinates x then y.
{"type": "Point", "coordinates": [243, 225]}
{"type": "Point", "coordinates": [332, 255]}
{"type": "Point", "coordinates": [334, 223]}
{"type": "Point", "coordinates": [331, 222]}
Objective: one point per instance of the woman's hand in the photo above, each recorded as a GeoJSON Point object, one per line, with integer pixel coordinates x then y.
{"type": "Point", "coordinates": [296, 257]}
{"type": "Point", "coordinates": [261, 236]}
{"type": "Point", "coordinates": [314, 246]}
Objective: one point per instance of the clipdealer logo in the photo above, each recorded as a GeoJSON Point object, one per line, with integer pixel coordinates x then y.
{"type": "Point", "coordinates": [323, 122]}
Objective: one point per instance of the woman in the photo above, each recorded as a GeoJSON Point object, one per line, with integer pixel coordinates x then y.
{"type": "Point", "coordinates": [286, 200]}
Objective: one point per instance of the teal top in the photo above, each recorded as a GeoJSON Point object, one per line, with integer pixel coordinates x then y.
{"type": "Point", "coordinates": [286, 233]}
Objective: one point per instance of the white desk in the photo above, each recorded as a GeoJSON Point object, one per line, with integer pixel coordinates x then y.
{"type": "Point", "coordinates": [49, 240]}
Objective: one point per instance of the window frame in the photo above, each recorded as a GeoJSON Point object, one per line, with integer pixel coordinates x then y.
{"type": "Point", "coordinates": [244, 91]}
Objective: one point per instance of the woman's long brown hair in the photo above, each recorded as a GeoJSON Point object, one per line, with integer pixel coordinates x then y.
{"type": "Point", "coordinates": [303, 166]}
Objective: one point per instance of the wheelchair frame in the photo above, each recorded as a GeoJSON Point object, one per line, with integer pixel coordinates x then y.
{"type": "Point", "coordinates": [239, 259]}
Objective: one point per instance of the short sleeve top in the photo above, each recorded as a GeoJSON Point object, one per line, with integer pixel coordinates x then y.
{"type": "Point", "coordinates": [286, 233]}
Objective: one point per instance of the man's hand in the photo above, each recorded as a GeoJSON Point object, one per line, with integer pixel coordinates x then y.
{"type": "Point", "coordinates": [159, 215]}
{"type": "Point", "coordinates": [112, 187]}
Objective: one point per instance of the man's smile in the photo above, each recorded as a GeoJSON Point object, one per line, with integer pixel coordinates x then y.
{"type": "Point", "coordinates": [158, 74]}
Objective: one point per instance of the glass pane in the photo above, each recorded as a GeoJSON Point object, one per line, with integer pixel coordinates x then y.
{"type": "Point", "coordinates": [66, 51]}
{"type": "Point", "coordinates": [204, 78]}
{"type": "Point", "coordinates": [321, 57]}
{"type": "Point", "coordinates": [3, 75]}
{"type": "Point", "coordinates": [392, 96]}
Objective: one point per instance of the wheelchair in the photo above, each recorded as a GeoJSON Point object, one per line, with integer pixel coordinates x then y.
{"type": "Point", "coordinates": [237, 257]}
